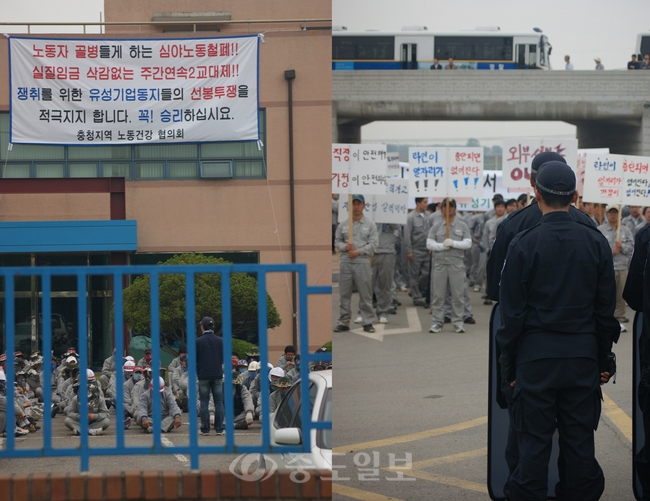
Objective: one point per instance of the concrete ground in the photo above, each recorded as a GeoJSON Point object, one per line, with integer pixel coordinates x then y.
{"type": "Point", "coordinates": [415, 400]}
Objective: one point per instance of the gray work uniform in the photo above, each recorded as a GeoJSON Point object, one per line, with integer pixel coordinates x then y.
{"type": "Point", "coordinates": [415, 241]}
{"type": "Point", "coordinates": [107, 369]}
{"type": "Point", "coordinates": [176, 362]}
{"type": "Point", "coordinates": [632, 223]}
{"type": "Point", "coordinates": [99, 409]}
{"type": "Point", "coordinates": [168, 409]}
{"type": "Point", "coordinates": [383, 267]}
{"type": "Point", "coordinates": [401, 262]}
{"type": "Point", "coordinates": [621, 262]}
{"type": "Point", "coordinates": [448, 268]}
{"type": "Point", "coordinates": [356, 272]}
{"type": "Point", "coordinates": [476, 226]}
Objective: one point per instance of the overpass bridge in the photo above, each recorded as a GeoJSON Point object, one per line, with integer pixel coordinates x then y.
{"type": "Point", "coordinates": [610, 108]}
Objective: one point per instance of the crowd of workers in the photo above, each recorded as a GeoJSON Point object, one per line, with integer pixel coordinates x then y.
{"type": "Point", "coordinates": [561, 294]}
{"type": "Point", "coordinates": [137, 388]}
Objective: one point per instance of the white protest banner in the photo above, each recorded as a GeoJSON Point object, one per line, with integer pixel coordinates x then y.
{"type": "Point", "coordinates": [465, 172]}
{"type": "Point", "coordinates": [393, 164]}
{"type": "Point", "coordinates": [603, 178]}
{"type": "Point", "coordinates": [519, 153]}
{"type": "Point", "coordinates": [636, 181]}
{"type": "Point", "coordinates": [389, 208]}
{"type": "Point", "coordinates": [359, 168]}
{"type": "Point", "coordinates": [90, 91]}
{"type": "Point", "coordinates": [491, 185]}
{"type": "Point", "coordinates": [428, 171]}
{"type": "Point", "coordinates": [581, 162]}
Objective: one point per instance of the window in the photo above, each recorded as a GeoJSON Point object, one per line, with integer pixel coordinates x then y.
{"type": "Point", "coordinates": [378, 48]}
{"type": "Point", "coordinates": [225, 160]}
{"type": "Point", "coordinates": [474, 48]}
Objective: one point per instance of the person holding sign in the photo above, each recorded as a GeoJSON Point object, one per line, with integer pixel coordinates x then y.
{"type": "Point", "coordinates": [557, 310]}
{"type": "Point", "coordinates": [355, 270]}
{"type": "Point", "coordinates": [449, 238]}
{"type": "Point", "coordinates": [622, 244]}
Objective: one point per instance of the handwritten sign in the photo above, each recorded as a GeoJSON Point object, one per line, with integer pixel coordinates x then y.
{"type": "Point", "coordinates": [465, 172]}
{"type": "Point", "coordinates": [394, 169]}
{"type": "Point", "coordinates": [490, 186]}
{"type": "Point", "coordinates": [519, 153]}
{"type": "Point", "coordinates": [428, 172]}
{"type": "Point", "coordinates": [359, 168]}
{"type": "Point", "coordinates": [581, 163]}
{"type": "Point", "coordinates": [389, 208]}
{"type": "Point", "coordinates": [617, 179]}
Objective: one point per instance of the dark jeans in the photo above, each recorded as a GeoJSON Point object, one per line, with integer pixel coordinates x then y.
{"type": "Point", "coordinates": [214, 386]}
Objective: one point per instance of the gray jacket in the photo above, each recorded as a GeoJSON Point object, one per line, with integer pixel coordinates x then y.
{"type": "Point", "coordinates": [168, 405]}
{"type": "Point", "coordinates": [99, 409]}
{"type": "Point", "coordinates": [416, 230]}
{"type": "Point", "coordinates": [458, 232]}
{"type": "Point", "coordinates": [622, 259]}
{"type": "Point", "coordinates": [386, 233]}
{"type": "Point", "coordinates": [364, 236]}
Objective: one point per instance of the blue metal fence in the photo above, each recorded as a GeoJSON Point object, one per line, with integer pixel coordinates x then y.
{"type": "Point", "coordinates": [83, 451]}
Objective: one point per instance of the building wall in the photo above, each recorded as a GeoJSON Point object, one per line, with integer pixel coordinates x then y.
{"type": "Point", "coordinates": [232, 215]}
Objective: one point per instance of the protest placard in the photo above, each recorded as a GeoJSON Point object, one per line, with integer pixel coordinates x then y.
{"type": "Point", "coordinates": [603, 178]}
{"type": "Point", "coordinates": [90, 91]}
{"type": "Point", "coordinates": [465, 172]}
{"type": "Point", "coordinates": [518, 154]}
{"type": "Point", "coordinates": [389, 208]}
{"type": "Point", "coordinates": [359, 168]}
{"type": "Point", "coordinates": [428, 171]}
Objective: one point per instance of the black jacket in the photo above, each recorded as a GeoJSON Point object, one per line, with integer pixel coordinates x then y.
{"type": "Point", "coordinates": [209, 356]}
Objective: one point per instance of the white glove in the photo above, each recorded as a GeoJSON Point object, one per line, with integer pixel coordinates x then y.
{"type": "Point", "coordinates": [448, 243]}
{"type": "Point", "coordinates": [249, 418]}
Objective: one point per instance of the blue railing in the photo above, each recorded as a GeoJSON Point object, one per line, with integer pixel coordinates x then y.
{"type": "Point", "coordinates": [83, 451]}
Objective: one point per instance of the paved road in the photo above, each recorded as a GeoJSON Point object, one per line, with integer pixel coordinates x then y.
{"type": "Point", "coordinates": [424, 396]}
{"type": "Point", "coordinates": [135, 436]}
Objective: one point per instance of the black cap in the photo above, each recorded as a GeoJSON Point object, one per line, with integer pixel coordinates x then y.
{"type": "Point", "coordinates": [207, 323]}
{"type": "Point", "coordinates": [556, 178]}
{"type": "Point", "coordinates": [542, 158]}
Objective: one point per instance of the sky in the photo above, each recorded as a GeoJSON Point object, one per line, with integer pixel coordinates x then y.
{"type": "Point", "coordinates": [583, 30]}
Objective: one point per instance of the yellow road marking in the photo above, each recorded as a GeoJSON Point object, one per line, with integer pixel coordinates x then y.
{"type": "Point", "coordinates": [414, 436]}
{"type": "Point", "coordinates": [418, 465]}
{"type": "Point", "coordinates": [353, 493]}
{"type": "Point", "coordinates": [617, 416]}
{"type": "Point", "coordinates": [453, 481]}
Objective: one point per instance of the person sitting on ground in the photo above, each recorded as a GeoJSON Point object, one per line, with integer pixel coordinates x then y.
{"type": "Point", "coordinates": [283, 384]}
{"type": "Point", "coordinates": [179, 383]}
{"type": "Point", "coordinates": [242, 403]}
{"type": "Point", "coordinates": [170, 413]}
{"type": "Point", "coordinates": [98, 415]}
{"type": "Point", "coordinates": [176, 362]}
{"type": "Point", "coordinates": [130, 397]}
{"type": "Point", "coordinates": [146, 360]}
{"type": "Point", "coordinates": [285, 362]}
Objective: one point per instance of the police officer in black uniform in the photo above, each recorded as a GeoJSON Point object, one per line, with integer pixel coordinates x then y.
{"type": "Point", "coordinates": [557, 310]}
{"type": "Point", "coordinates": [637, 296]}
{"type": "Point", "coordinates": [519, 221]}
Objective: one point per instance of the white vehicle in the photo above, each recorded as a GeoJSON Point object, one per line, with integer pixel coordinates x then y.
{"type": "Point", "coordinates": [286, 426]}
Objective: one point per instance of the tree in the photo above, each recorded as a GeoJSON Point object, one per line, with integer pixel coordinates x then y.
{"type": "Point", "coordinates": [207, 286]}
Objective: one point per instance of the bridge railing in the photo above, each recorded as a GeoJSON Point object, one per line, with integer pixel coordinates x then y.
{"type": "Point", "coordinates": [84, 451]}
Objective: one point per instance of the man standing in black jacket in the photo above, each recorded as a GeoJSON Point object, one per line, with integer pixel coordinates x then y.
{"type": "Point", "coordinates": [209, 372]}
{"type": "Point", "coordinates": [557, 300]}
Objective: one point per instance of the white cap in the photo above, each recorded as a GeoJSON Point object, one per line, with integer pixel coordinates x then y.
{"type": "Point", "coordinates": [253, 366]}
{"type": "Point", "coordinates": [130, 358]}
{"type": "Point", "coordinates": [161, 384]}
{"type": "Point", "coordinates": [2, 375]}
{"type": "Point", "coordinates": [129, 366]}
{"type": "Point", "coordinates": [90, 374]}
{"type": "Point", "coordinates": [276, 371]}
{"type": "Point", "coordinates": [70, 360]}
